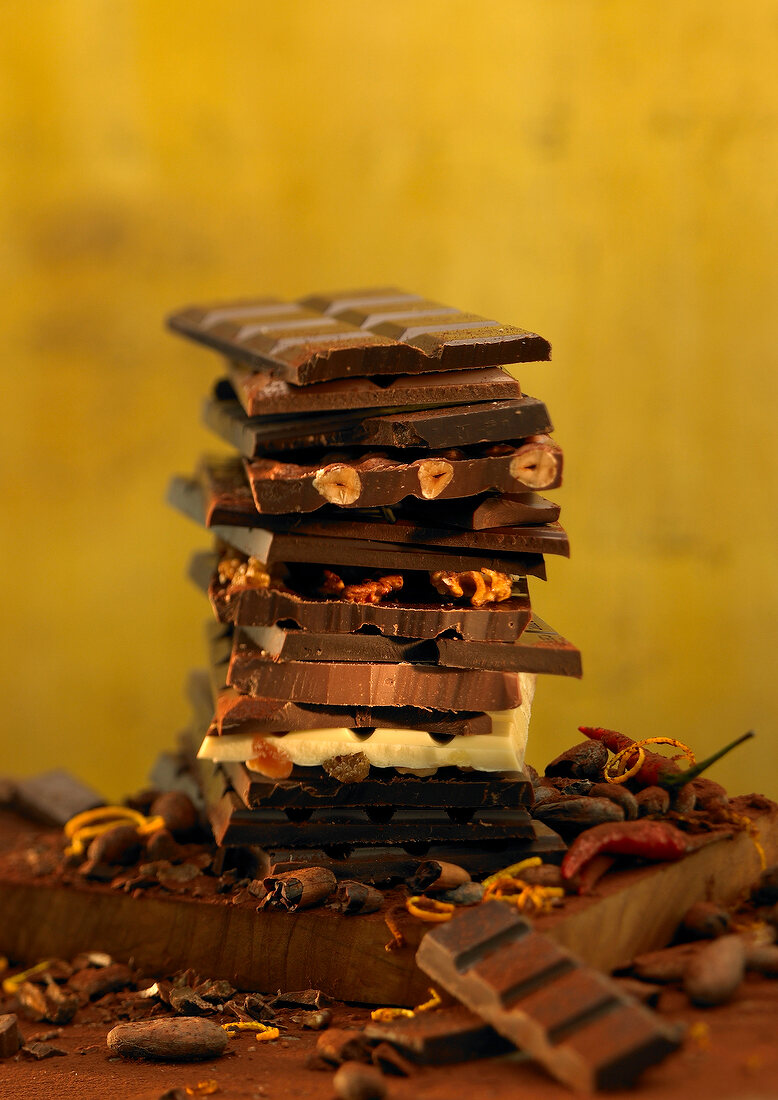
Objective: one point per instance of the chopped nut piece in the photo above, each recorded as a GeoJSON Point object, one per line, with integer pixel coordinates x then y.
{"type": "Point", "coordinates": [332, 585]}
{"type": "Point", "coordinates": [338, 484]}
{"type": "Point", "coordinates": [480, 586]}
{"type": "Point", "coordinates": [352, 767]}
{"type": "Point", "coordinates": [372, 591]}
{"type": "Point", "coordinates": [242, 572]}
{"type": "Point", "coordinates": [434, 475]}
{"type": "Point", "coordinates": [536, 464]}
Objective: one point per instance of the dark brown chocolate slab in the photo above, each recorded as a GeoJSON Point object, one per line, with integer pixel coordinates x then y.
{"type": "Point", "coordinates": [448, 1035]}
{"type": "Point", "coordinates": [381, 865]}
{"type": "Point", "coordinates": [451, 426]}
{"type": "Point", "coordinates": [381, 479]}
{"type": "Point", "coordinates": [232, 823]}
{"type": "Point", "coordinates": [328, 551]}
{"type": "Point", "coordinates": [540, 649]}
{"type": "Point", "coordinates": [572, 1019]}
{"type": "Point", "coordinates": [219, 495]}
{"type": "Point", "coordinates": [366, 332]}
{"type": "Point", "coordinates": [369, 685]}
{"type": "Point", "coordinates": [491, 510]}
{"type": "Point", "coordinates": [309, 788]}
{"type": "Point", "coordinates": [53, 797]}
{"type": "Point", "coordinates": [268, 607]}
{"type": "Point", "coordinates": [262, 395]}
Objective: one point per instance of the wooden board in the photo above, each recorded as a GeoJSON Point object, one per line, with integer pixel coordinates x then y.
{"type": "Point", "coordinates": [636, 910]}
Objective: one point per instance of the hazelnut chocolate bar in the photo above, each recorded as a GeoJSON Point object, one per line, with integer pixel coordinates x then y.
{"type": "Point", "coordinates": [538, 649]}
{"type": "Point", "coordinates": [219, 495]}
{"type": "Point", "coordinates": [447, 426]}
{"type": "Point", "coordinates": [361, 332]}
{"type": "Point", "coordinates": [380, 479]}
{"type": "Point", "coordinates": [572, 1019]}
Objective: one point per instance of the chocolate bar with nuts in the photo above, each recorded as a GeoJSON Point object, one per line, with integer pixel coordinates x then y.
{"type": "Point", "coordinates": [539, 649]}
{"type": "Point", "coordinates": [219, 495]}
{"type": "Point", "coordinates": [447, 426]}
{"type": "Point", "coordinates": [572, 1019]}
{"type": "Point", "coordinates": [278, 603]}
{"type": "Point", "coordinates": [262, 395]}
{"type": "Point", "coordinates": [365, 332]}
{"type": "Point", "coordinates": [309, 788]}
{"type": "Point", "coordinates": [381, 479]}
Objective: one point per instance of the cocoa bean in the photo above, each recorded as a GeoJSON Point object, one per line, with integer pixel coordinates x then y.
{"type": "Point", "coordinates": [163, 845]}
{"type": "Point", "coordinates": [763, 958]}
{"type": "Point", "coordinates": [434, 875]}
{"type": "Point", "coordinates": [716, 971]}
{"type": "Point", "coordinates": [356, 1082]}
{"type": "Point", "coordinates": [182, 1040]}
{"type": "Point", "coordinates": [706, 921]}
{"type": "Point", "coordinates": [710, 795]}
{"type": "Point", "coordinates": [177, 811]}
{"type": "Point", "coordinates": [577, 814]}
{"type": "Point", "coordinates": [666, 965]}
{"type": "Point", "coordinates": [97, 981]}
{"type": "Point", "coordinates": [120, 845]}
{"type": "Point", "coordinates": [314, 1021]}
{"type": "Point", "coordinates": [583, 761]}
{"type": "Point", "coordinates": [683, 799]}
{"type": "Point", "coordinates": [652, 801]}
{"type": "Point", "coordinates": [619, 794]}
{"type": "Point", "coordinates": [547, 874]}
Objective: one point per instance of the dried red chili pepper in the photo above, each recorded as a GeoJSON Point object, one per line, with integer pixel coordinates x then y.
{"type": "Point", "coordinates": [657, 770]}
{"type": "Point", "coordinates": [654, 840]}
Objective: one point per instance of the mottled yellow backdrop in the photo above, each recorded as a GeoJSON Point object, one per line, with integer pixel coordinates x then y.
{"type": "Point", "coordinates": [602, 171]}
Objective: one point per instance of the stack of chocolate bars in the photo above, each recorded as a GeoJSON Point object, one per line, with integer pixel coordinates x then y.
{"type": "Point", "coordinates": [373, 661]}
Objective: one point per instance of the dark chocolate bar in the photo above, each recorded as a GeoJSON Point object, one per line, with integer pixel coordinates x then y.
{"type": "Point", "coordinates": [452, 426]}
{"type": "Point", "coordinates": [369, 685]}
{"type": "Point", "coordinates": [219, 495]}
{"type": "Point", "coordinates": [539, 649]}
{"type": "Point", "coordinates": [572, 1019]}
{"type": "Point", "coordinates": [365, 332]}
{"type": "Point", "coordinates": [309, 788]}
{"type": "Point", "coordinates": [232, 823]}
{"type": "Point", "coordinates": [382, 865]}
{"type": "Point", "coordinates": [502, 622]}
{"type": "Point", "coordinates": [262, 395]}
{"type": "Point", "coordinates": [352, 480]}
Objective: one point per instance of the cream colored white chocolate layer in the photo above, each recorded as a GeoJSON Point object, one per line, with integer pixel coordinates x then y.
{"type": "Point", "coordinates": [501, 750]}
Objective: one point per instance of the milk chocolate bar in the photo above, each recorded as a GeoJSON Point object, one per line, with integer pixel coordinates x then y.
{"type": "Point", "coordinates": [309, 788]}
{"type": "Point", "coordinates": [539, 649]}
{"type": "Point", "coordinates": [352, 480]}
{"type": "Point", "coordinates": [232, 823]}
{"type": "Point", "coordinates": [369, 685]}
{"type": "Point", "coordinates": [276, 604]}
{"type": "Point", "coordinates": [572, 1019]}
{"type": "Point", "coordinates": [364, 332]}
{"type": "Point", "coordinates": [262, 395]}
{"type": "Point", "coordinates": [219, 495]}
{"type": "Point", "coordinates": [452, 426]}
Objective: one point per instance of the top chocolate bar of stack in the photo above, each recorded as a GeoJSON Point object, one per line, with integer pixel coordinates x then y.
{"type": "Point", "coordinates": [355, 333]}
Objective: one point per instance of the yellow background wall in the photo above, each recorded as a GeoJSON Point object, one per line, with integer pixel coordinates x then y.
{"type": "Point", "coordinates": [602, 172]}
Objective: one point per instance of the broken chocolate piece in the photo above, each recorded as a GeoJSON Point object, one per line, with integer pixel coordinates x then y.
{"type": "Point", "coordinates": [448, 1035]}
{"type": "Point", "coordinates": [572, 1019]}
{"type": "Point", "coordinates": [54, 797]}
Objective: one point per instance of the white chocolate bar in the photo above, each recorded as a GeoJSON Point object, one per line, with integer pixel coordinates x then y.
{"type": "Point", "coordinates": [412, 749]}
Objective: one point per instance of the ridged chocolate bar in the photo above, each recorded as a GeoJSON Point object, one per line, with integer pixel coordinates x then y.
{"type": "Point", "coordinates": [370, 685]}
{"type": "Point", "coordinates": [452, 426]}
{"type": "Point", "coordinates": [539, 649]}
{"type": "Point", "coordinates": [219, 495]}
{"type": "Point", "coordinates": [362, 332]}
{"type": "Point", "coordinates": [353, 480]}
{"type": "Point", "coordinates": [309, 788]}
{"type": "Point", "coordinates": [502, 622]}
{"type": "Point", "coordinates": [232, 823]}
{"type": "Point", "coordinates": [572, 1019]}
{"type": "Point", "coordinates": [262, 395]}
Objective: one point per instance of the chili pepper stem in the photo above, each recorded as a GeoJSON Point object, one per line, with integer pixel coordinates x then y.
{"type": "Point", "coordinates": [672, 782]}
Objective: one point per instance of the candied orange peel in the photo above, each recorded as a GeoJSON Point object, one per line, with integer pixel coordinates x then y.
{"type": "Point", "coordinates": [613, 775]}
{"type": "Point", "coordinates": [433, 1003]}
{"type": "Point", "coordinates": [386, 1015]}
{"type": "Point", "coordinates": [263, 1032]}
{"type": "Point", "coordinates": [430, 910]}
{"type": "Point", "coordinates": [508, 886]}
{"type": "Point", "coordinates": [91, 823]}
{"type": "Point", "coordinates": [10, 985]}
